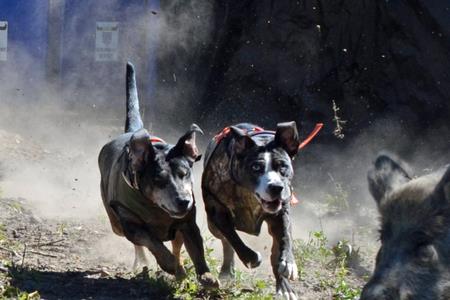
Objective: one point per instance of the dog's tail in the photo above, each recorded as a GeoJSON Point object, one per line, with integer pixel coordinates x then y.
{"type": "Point", "coordinates": [134, 121]}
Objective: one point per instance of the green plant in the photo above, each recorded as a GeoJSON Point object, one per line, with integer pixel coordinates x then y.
{"type": "Point", "coordinates": [3, 234]}
{"type": "Point", "coordinates": [62, 227]}
{"type": "Point", "coordinates": [314, 249]}
{"type": "Point", "coordinates": [344, 254]}
{"type": "Point", "coordinates": [11, 292]}
{"type": "Point", "coordinates": [341, 289]}
{"type": "Point", "coordinates": [16, 205]}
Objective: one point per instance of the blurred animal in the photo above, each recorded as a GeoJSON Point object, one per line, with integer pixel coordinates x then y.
{"type": "Point", "coordinates": [414, 259]}
{"type": "Point", "coordinates": [146, 186]}
{"type": "Point", "coordinates": [246, 181]}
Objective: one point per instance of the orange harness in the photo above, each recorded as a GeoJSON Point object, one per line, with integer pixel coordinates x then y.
{"type": "Point", "coordinates": [155, 139]}
{"type": "Point", "coordinates": [258, 130]}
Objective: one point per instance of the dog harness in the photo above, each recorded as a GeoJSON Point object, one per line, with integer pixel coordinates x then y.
{"type": "Point", "coordinates": [155, 139]}
{"type": "Point", "coordinates": [254, 131]}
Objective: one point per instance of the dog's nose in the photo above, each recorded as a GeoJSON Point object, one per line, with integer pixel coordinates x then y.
{"type": "Point", "coordinates": [182, 203]}
{"type": "Point", "coordinates": [275, 189]}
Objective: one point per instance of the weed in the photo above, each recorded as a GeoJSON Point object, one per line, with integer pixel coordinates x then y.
{"type": "Point", "coordinates": [10, 292]}
{"type": "Point", "coordinates": [3, 234]}
{"type": "Point", "coordinates": [339, 129]}
{"type": "Point", "coordinates": [16, 205]}
{"type": "Point", "coordinates": [62, 227]}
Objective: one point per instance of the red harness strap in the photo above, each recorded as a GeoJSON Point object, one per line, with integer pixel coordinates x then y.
{"type": "Point", "coordinates": [294, 199]}
{"type": "Point", "coordinates": [311, 135]}
{"type": "Point", "coordinates": [157, 140]}
{"type": "Point", "coordinates": [221, 135]}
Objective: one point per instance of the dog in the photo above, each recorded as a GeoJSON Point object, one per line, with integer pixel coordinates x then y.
{"type": "Point", "coordinates": [246, 181]}
{"type": "Point", "coordinates": [147, 191]}
{"type": "Point", "coordinates": [413, 259]}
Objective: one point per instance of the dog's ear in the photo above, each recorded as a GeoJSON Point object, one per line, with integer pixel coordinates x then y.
{"type": "Point", "coordinates": [386, 174]}
{"type": "Point", "coordinates": [287, 137]}
{"type": "Point", "coordinates": [242, 141]}
{"type": "Point", "coordinates": [440, 198]}
{"type": "Point", "coordinates": [141, 150]}
{"type": "Point", "coordinates": [186, 145]}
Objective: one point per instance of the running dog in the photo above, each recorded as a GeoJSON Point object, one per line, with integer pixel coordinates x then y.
{"type": "Point", "coordinates": [247, 180]}
{"type": "Point", "coordinates": [146, 186]}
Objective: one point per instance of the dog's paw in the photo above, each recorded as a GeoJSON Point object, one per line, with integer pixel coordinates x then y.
{"type": "Point", "coordinates": [208, 281]}
{"type": "Point", "coordinates": [285, 291]}
{"type": "Point", "coordinates": [254, 260]}
{"type": "Point", "coordinates": [180, 273]}
{"type": "Point", "coordinates": [288, 269]}
{"type": "Point", "coordinates": [226, 275]}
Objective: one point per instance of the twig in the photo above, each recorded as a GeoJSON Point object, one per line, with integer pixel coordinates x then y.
{"type": "Point", "coordinates": [23, 256]}
{"type": "Point", "coordinates": [10, 251]}
{"type": "Point", "coordinates": [47, 244]}
{"type": "Point", "coordinates": [42, 253]}
{"type": "Point", "coordinates": [338, 131]}
{"type": "Point", "coordinates": [39, 238]}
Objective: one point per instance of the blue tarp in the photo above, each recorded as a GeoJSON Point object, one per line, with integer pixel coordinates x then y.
{"type": "Point", "coordinates": [23, 43]}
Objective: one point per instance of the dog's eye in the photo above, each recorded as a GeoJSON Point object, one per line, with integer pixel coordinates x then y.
{"type": "Point", "coordinates": [182, 172]}
{"type": "Point", "coordinates": [283, 170]}
{"type": "Point", "coordinates": [256, 167]}
{"type": "Point", "coordinates": [426, 253]}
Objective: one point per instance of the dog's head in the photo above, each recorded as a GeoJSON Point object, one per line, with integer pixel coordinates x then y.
{"type": "Point", "coordinates": [263, 164]}
{"type": "Point", "coordinates": [164, 174]}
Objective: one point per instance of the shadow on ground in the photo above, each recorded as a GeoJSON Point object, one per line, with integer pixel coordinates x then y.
{"type": "Point", "coordinates": [89, 285]}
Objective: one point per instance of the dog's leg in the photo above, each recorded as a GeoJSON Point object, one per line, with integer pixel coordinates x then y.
{"type": "Point", "coordinates": [194, 245]}
{"type": "Point", "coordinates": [222, 220]}
{"type": "Point", "coordinates": [227, 269]}
{"type": "Point", "coordinates": [177, 243]}
{"type": "Point", "coordinates": [282, 257]}
{"type": "Point", "coordinates": [140, 236]}
{"type": "Point", "coordinates": [140, 258]}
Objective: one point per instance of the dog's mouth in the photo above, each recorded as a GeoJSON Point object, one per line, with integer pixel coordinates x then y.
{"type": "Point", "coordinates": [270, 206]}
{"type": "Point", "coordinates": [175, 214]}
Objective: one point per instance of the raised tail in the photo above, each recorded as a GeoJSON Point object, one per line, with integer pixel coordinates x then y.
{"type": "Point", "coordinates": [134, 121]}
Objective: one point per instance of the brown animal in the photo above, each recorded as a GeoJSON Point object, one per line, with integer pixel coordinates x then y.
{"type": "Point", "coordinates": [246, 181]}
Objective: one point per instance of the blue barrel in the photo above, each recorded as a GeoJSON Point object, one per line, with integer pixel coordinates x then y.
{"type": "Point", "coordinates": [23, 46]}
{"type": "Point", "coordinates": [99, 37]}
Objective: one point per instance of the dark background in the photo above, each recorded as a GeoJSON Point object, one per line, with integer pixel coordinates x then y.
{"type": "Point", "coordinates": [268, 61]}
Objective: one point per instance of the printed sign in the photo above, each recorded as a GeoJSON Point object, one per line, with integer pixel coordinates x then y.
{"type": "Point", "coordinates": [3, 40]}
{"type": "Point", "coordinates": [107, 41]}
